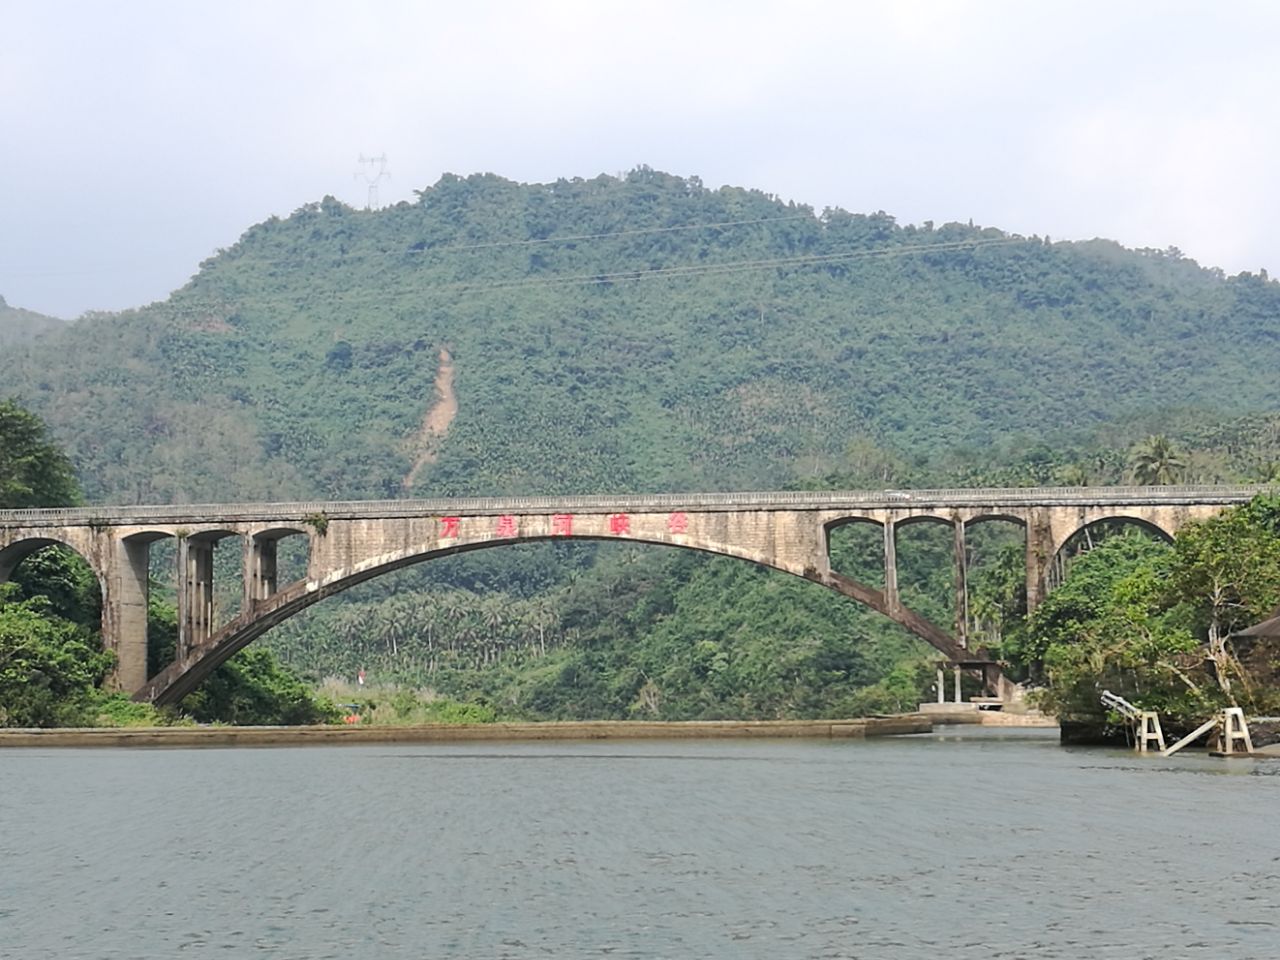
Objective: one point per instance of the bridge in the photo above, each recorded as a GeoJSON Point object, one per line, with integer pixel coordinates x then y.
{"type": "Point", "coordinates": [351, 542]}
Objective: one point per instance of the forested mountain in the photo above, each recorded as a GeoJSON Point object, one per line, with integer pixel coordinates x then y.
{"type": "Point", "coordinates": [761, 341]}
{"type": "Point", "coordinates": [18, 325]}
{"type": "Point", "coordinates": [645, 333]}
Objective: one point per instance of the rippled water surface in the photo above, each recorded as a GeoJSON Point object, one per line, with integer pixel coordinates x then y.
{"type": "Point", "coordinates": [967, 847]}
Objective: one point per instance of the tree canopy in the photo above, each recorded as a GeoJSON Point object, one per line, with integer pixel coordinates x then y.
{"type": "Point", "coordinates": [34, 472]}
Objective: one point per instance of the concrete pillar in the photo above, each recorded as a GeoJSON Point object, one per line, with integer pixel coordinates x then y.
{"type": "Point", "coordinates": [962, 587]}
{"type": "Point", "coordinates": [125, 585]}
{"type": "Point", "coordinates": [260, 577]}
{"type": "Point", "coordinates": [1039, 555]}
{"type": "Point", "coordinates": [195, 594]}
{"type": "Point", "coordinates": [942, 686]}
{"type": "Point", "coordinates": [890, 565]}
{"type": "Point", "coordinates": [958, 695]}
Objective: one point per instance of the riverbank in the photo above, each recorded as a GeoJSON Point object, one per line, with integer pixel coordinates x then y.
{"type": "Point", "coordinates": [455, 732]}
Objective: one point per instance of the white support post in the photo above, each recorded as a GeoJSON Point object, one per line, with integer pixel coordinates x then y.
{"type": "Point", "coordinates": [1235, 732]}
{"type": "Point", "coordinates": [1149, 732]}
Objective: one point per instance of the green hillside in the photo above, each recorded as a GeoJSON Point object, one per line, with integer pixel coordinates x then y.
{"type": "Point", "coordinates": [761, 342]}
{"type": "Point", "coordinates": [646, 334]}
{"type": "Point", "coordinates": [18, 325]}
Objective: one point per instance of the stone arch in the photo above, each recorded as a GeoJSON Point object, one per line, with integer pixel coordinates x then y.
{"type": "Point", "coordinates": [980, 518]}
{"type": "Point", "coordinates": [14, 552]}
{"type": "Point", "coordinates": [917, 518]}
{"type": "Point", "coordinates": [1059, 562]}
{"type": "Point", "coordinates": [1149, 524]}
{"type": "Point", "coordinates": [19, 549]}
{"type": "Point", "coordinates": [846, 525]}
{"type": "Point", "coordinates": [262, 557]}
{"type": "Point", "coordinates": [196, 598]}
{"type": "Point", "coordinates": [981, 542]}
{"type": "Point", "coordinates": [185, 674]}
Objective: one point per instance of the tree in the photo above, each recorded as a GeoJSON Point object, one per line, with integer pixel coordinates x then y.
{"type": "Point", "coordinates": [1108, 627]}
{"type": "Point", "coordinates": [48, 666]}
{"type": "Point", "coordinates": [1156, 462]}
{"type": "Point", "coordinates": [33, 471]}
{"type": "Point", "coordinates": [253, 689]}
{"type": "Point", "coordinates": [1225, 575]}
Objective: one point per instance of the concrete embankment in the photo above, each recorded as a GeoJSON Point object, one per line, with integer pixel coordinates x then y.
{"type": "Point", "coordinates": [452, 733]}
{"type": "Point", "coordinates": [989, 718]}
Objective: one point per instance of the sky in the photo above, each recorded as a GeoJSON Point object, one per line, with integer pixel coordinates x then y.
{"type": "Point", "coordinates": [138, 138]}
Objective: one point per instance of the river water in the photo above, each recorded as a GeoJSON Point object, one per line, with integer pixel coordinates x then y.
{"type": "Point", "coordinates": [967, 846]}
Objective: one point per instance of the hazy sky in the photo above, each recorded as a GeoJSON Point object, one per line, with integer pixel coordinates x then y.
{"type": "Point", "coordinates": [137, 138]}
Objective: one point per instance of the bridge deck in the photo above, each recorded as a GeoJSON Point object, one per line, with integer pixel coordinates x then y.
{"type": "Point", "coordinates": [939, 499]}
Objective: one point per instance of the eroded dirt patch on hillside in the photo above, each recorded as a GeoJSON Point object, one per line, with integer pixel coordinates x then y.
{"type": "Point", "coordinates": [435, 425]}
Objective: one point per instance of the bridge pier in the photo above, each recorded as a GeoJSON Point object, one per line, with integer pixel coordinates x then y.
{"type": "Point", "coordinates": [962, 585]}
{"type": "Point", "coordinates": [195, 594]}
{"type": "Point", "coordinates": [125, 588]}
{"type": "Point", "coordinates": [260, 569]}
{"type": "Point", "coordinates": [890, 565]}
{"type": "Point", "coordinates": [1040, 552]}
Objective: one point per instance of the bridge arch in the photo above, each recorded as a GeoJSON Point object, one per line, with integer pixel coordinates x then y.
{"type": "Point", "coordinates": [1060, 564]}
{"type": "Point", "coordinates": [855, 545]}
{"type": "Point", "coordinates": [981, 518]}
{"type": "Point", "coordinates": [1152, 526]}
{"type": "Point", "coordinates": [13, 553]}
{"type": "Point", "coordinates": [186, 673]}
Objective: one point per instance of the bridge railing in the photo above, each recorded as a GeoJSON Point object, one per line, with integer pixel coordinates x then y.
{"type": "Point", "coordinates": [923, 500]}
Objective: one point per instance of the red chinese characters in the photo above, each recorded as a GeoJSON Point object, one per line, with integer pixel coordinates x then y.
{"type": "Point", "coordinates": [506, 526]}
{"type": "Point", "coordinates": [678, 522]}
{"type": "Point", "coordinates": [450, 530]}
{"type": "Point", "coordinates": [619, 523]}
{"type": "Point", "coordinates": [562, 525]}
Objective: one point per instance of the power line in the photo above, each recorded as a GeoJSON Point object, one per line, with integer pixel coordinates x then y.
{"type": "Point", "coordinates": [596, 279]}
{"type": "Point", "coordinates": [495, 244]}
{"type": "Point", "coordinates": [733, 266]}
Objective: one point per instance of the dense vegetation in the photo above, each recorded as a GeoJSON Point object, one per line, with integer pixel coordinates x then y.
{"type": "Point", "coordinates": [18, 325]}
{"type": "Point", "coordinates": [647, 333]}
{"type": "Point", "coordinates": [1154, 622]}
{"type": "Point", "coordinates": [764, 342]}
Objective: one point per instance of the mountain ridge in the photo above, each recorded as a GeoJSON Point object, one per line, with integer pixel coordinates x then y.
{"type": "Point", "coordinates": [627, 334]}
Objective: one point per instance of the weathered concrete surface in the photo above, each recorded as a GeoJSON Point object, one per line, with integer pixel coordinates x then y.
{"type": "Point", "coordinates": [447, 733]}
{"type": "Point", "coordinates": [352, 542]}
{"type": "Point", "coordinates": [986, 718]}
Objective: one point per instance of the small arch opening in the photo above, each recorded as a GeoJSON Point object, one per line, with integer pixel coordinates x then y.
{"type": "Point", "coordinates": [995, 578]}
{"type": "Point", "coordinates": [926, 556]}
{"type": "Point", "coordinates": [283, 555]}
{"type": "Point", "coordinates": [217, 567]}
{"type": "Point", "coordinates": [855, 548]}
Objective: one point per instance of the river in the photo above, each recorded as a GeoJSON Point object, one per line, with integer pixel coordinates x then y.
{"type": "Point", "coordinates": [973, 845]}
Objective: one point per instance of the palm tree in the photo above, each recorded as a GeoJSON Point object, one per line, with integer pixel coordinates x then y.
{"type": "Point", "coordinates": [1155, 462]}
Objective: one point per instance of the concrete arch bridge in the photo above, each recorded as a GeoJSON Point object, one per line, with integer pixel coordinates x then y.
{"type": "Point", "coordinates": [350, 542]}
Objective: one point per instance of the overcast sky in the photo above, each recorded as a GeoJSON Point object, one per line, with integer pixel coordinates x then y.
{"type": "Point", "coordinates": [137, 138]}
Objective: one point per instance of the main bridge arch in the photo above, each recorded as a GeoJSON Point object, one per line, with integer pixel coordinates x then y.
{"type": "Point", "coordinates": [774, 541]}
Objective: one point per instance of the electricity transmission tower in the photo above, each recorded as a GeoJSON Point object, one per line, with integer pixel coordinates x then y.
{"type": "Point", "coordinates": [372, 169]}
